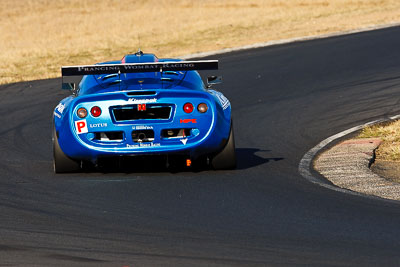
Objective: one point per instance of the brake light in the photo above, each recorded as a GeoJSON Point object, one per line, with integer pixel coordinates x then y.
{"type": "Point", "coordinates": [82, 113]}
{"type": "Point", "coordinates": [95, 111]}
{"type": "Point", "coordinates": [188, 108]}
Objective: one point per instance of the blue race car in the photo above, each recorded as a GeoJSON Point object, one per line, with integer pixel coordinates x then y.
{"type": "Point", "coordinates": [142, 106]}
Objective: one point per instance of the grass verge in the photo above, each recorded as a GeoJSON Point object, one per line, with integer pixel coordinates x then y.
{"type": "Point", "coordinates": [389, 132]}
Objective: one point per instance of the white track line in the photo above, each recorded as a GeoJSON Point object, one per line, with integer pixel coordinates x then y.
{"type": "Point", "coordinates": [305, 165]}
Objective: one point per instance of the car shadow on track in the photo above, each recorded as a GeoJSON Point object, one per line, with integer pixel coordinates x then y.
{"type": "Point", "coordinates": [248, 158]}
{"type": "Point", "coordinates": [156, 164]}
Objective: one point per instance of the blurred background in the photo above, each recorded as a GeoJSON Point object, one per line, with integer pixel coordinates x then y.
{"type": "Point", "coordinates": [39, 36]}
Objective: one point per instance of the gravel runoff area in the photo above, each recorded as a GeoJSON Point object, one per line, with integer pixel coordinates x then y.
{"type": "Point", "coordinates": [347, 165]}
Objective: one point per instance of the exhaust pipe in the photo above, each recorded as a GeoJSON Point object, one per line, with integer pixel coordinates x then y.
{"type": "Point", "coordinates": [143, 136]}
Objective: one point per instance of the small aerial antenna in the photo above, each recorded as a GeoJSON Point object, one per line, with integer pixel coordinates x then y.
{"type": "Point", "coordinates": [139, 52]}
{"type": "Point", "coordinates": [119, 78]}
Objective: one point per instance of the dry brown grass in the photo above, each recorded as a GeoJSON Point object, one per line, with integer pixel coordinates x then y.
{"type": "Point", "coordinates": [390, 134]}
{"type": "Point", "coordinates": [38, 36]}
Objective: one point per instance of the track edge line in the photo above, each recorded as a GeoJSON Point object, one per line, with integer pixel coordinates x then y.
{"type": "Point", "coordinates": [305, 165]}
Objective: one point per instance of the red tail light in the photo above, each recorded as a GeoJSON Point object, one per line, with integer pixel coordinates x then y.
{"type": "Point", "coordinates": [188, 108]}
{"type": "Point", "coordinates": [95, 111]}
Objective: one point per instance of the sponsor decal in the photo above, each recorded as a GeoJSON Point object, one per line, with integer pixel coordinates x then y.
{"type": "Point", "coordinates": [98, 68]}
{"type": "Point", "coordinates": [60, 108]}
{"type": "Point", "coordinates": [184, 141]}
{"type": "Point", "coordinates": [98, 125]}
{"type": "Point", "coordinates": [58, 111]}
{"type": "Point", "coordinates": [178, 65]}
{"type": "Point", "coordinates": [141, 107]}
{"type": "Point", "coordinates": [149, 144]}
{"type": "Point", "coordinates": [138, 67]}
{"type": "Point", "coordinates": [142, 127]}
{"type": "Point", "coordinates": [142, 101]}
{"type": "Point", "coordinates": [132, 146]}
{"type": "Point", "coordinates": [57, 115]}
{"type": "Point", "coordinates": [81, 126]}
{"type": "Point", "coordinates": [188, 121]}
{"type": "Point", "coordinates": [222, 99]}
{"type": "Point", "coordinates": [143, 145]}
{"type": "Point", "coordinates": [127, 67]}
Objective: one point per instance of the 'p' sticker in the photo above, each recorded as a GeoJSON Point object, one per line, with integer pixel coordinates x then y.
{"type": "Point", "coordinates": [81, 126]}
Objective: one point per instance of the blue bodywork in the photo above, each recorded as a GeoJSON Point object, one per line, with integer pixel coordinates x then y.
{"type": "Point", "coordinates": [125, 129]}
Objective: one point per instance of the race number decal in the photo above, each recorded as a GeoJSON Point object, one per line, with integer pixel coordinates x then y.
{"type": "Point", "coordinates": [81, 126]}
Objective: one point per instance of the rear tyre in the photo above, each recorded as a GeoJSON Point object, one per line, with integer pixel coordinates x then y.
{"type": "Point", "coordinates": [61, 162]}
{"type": "Point", "coordinates": [226, 159]}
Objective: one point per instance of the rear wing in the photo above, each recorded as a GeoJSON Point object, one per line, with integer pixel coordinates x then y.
{"type": "Point", "coordinates": [72, 75]}
{"type": "Point", "coordinates": [139, 67]}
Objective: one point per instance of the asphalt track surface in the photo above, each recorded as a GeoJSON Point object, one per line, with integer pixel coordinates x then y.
{"type": "Point", "coordinates": [285, 99]}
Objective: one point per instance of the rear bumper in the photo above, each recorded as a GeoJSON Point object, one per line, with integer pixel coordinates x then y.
{"type": "Point", "coordinates": [197, 139]}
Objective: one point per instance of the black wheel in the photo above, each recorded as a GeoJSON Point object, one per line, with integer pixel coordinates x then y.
{"type": "Point", "coordinates": [61, 162]}
{"type": "Point", "coordinates": [226, 158]}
